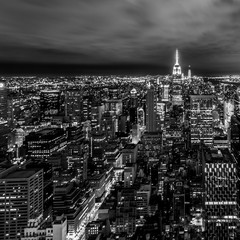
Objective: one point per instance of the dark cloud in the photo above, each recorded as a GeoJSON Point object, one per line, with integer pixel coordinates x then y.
{"type": "Point", "coordinates": [131, 31]}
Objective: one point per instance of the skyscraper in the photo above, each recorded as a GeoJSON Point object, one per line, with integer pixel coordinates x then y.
{"type": "Point", "coordinates": [3, 102]}
{"type": "Point", "coordinates": [152, 125]}
{"type": "Point", "coordinates": [21, 199]}
{"type": "Point", "coordinates": [50, 103]}
{"type": "Point", "coordinates": [189, 72]}
{"type": "Point", "coordinates": [177, 68]}
{"type": "Point", "coordinates": [201, 118]}
{"type": "Point", "coordinates": [133, 106]}
{"type": "Point", "coordinates": [221, 204]}
{"type": "Point", "coordinates": [73, 103]}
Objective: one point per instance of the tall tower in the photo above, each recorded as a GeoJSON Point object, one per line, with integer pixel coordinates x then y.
{"type": "Point", "coordinates": [221, 204]}
{"type": "Point", "coordinates": [201, 119]}
{"type": "Point", "coordinates": [177, 68]}
{"type": "Point", "coordinates": [152, 119]}
{"type": "Point", "coordinates": [50, 103]}
{"type": "Point", "coordinates": [189, 72]}
{"type": "Point", "coordinates": [3, 101]}
{"type": "Point", "coordinates": [21, 194]}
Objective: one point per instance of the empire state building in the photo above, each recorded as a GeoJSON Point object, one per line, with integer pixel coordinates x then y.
{"type": "Point", "coordinates": [177, 68]}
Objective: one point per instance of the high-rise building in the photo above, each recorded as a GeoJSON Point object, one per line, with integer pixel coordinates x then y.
{"type": "Point", "coordinates": [74, 203]}
{"type": "Point", "coordinates": [165, 92]}
{"type": "Point", "coordinates": [73, 104]}
{"type": "Point", "coordinates": [143, 199]}
{"type": "Point", "coordinates": [221, 199]}
{"type": "Point", "coordinates": [201, 118]}
{"type": "Point", "coordinates": [21, 199]}
{"type": "Point", "coordinates": [45, 142]}
{"type": "Point", "coordinates": [189, 72]}
{"type": "Point", "coordinates": [50, 103]}
{"type": "Point", "coordinates": [133, 106]}
{"type": "Point", "coordinates": [235, 136]}
{"type": "Point", "coordinates": [126, 211]}
{"type": "Point", "coordinates": [87, 107]}
{"type": "Point", "coordinates": [228, 112]}
{"type": "Point", "coordinates": [152, 124]}
{"type": "Point", "coordinates": [177, 68]}
{"type": "Point", "coordinates": [3, 102]}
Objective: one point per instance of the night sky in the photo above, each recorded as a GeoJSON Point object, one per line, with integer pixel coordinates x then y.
{"type": "Point", "coordinates": [129, 34]}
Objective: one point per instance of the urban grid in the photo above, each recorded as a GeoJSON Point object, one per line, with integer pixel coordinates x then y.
{"type": "Point", "coordinates": [120, 120]}
{"type": "Point", "coordinates": [120, 157]}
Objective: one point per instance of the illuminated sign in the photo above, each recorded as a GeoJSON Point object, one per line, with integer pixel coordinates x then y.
{"type": "Point", "coordinates": [1, 85]}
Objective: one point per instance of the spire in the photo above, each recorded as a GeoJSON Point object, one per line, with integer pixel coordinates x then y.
{"type": "Point", "coordinates": [177, 68]}
{"type": "Point", "coordinates": [189, 72]}
{"type": "Point", "coordinates": [177, 58]}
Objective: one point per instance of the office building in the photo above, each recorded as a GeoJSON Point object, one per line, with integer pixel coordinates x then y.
{"type": "Point", "coordinates": [38, 229]}
{"type": "Point", "coordinates": [93, 229]}
{"type": "Point", "coordinates": [165, 92]}
{"type": "Point", "coordinates": [143, 199]}
{"type": "Point", "coordinates": [73, 105]}
{"type": "Point", "coordinates": [130, 171]}
{"type": "Point", "coordinates": [51, 104]}
{"type": "Point", "coordinates": [114, 106]}
{"type": "Point", "coordinates": [74, 203]}
{"type": "Point", "coordinates": [3, 102]}
{"type": "Point", "coordinates": [221, 201]}
{"type": "Point", "coordinates": [86, 108]}
{"type": "Point", "coordinates": [152, 123]}
{"type": "Point", "coordinates": [151, 144]}
{"type": "Point", "coordinates": [129, 153]}
{"type": "Point", "coordinates": [21, 199]}
{"type": "Point", "coordinates": [126, 211]}
{"type": "Point", "coordinates": [201, 119]}
{"type": "Point", "coordinates": [133, 105]}
{"type": "Point", "coordinates": [45, 142]}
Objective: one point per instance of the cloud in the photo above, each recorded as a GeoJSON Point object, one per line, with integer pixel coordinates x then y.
{"type": "Point", "coordinates": [112, 31]}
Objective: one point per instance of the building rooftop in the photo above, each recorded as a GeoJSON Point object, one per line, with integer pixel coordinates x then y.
{"type": "Point", "coordinates": [215, 155]}
{"type": "Point", "coordinates": [201, 96]}
{"type": "Point", "coordinates": [130, 146]}
{"type": "Point", "coordinates": [45, 134]}
{"type": "Point", "coordinates": [45, 131]}
{"type": "Point", "coordinates": [50, 91]}
{"type": "Point", "coordinates": [20, 174]}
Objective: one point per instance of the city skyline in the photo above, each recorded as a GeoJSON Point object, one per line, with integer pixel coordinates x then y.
{"type": "Point", "coordinates": [119, 36]}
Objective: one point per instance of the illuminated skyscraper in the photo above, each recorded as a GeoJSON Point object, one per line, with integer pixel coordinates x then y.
{"type": "Point", "coordinates": [21, 199]}
{"type": "Point", "coordinates": [177, 68]}
{"type": "Point", "coordinates": [73, 103]}
{"type": "Point", "coordinates": [50, 103]}
{"type": "Point", "coordinates": [221, 204]}
{"type": "Point", "coordinates": [189, 72]}
{"type": "Point", "coordinates": [133, 106]}
{"type": "Point", "coordinates": [3, 101]}
{"type": "Point", "coordinates": [201, 118]}
{"type": "Point", "coordinates": [152, 125]}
